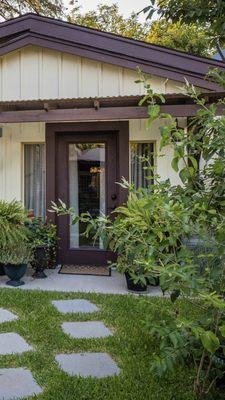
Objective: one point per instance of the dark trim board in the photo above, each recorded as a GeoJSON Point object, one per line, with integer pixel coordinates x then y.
{"type": "Point", "coordinates": [32, 29]}
{"type": "Point", "coordinates": [102, 114]}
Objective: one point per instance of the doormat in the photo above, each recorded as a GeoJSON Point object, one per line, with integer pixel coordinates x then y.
{"type": "Point", "coordinates": [71, 269]}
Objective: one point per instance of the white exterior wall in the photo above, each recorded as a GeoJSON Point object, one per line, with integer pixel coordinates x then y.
{"type": "Point", "coordinates": [11, 156]}
{"type": "Point", "coordinates": [34, 73]}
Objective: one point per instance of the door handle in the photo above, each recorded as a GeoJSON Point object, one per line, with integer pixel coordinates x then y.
{"type": "Point", "coordinates": [114, 196]}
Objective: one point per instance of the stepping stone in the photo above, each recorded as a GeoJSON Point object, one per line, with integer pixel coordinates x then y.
{"type": "Point", "coordinates": [6, 316]}
{"type": "Point", "coordinates": [17, 383]}
{"type": "Point", "coordinates": [75, 306]}
{"type": "Point", "coordinates": [96, 365]}
{"type": "Point", "coordinates": [86, 330]}
{"type": "Point", "coordinates": [12, 343]}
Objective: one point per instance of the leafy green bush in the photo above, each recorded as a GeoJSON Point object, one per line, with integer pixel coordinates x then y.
{"type": "Point", "coordinates": [196, 276]}
{"type": "Point", "coordinates": [16, 254]}
{"type": "Point", "coordinates": [14, 235]}
{"type": "Point", "coordinates": [145, 233]}
{"type": "Point", "coordinates": [42, 233]}
{"type": "Point", "coordinates": [12, 222]}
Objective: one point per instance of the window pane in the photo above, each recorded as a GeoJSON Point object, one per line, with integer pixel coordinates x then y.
{"type": "Point", "coordinates": [142, 156]}
{"type": "Point", "coordinates": [86, 187]}
{"type": "Point", "coordinates": [34, 179]}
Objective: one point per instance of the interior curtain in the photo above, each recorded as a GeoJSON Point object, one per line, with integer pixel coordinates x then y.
{"type": "Point", "coordinates": [34, 179]}
{"type": "Point", "coordinates": [73, 190]}
{"type": "Point", "coordinates": [139, 173]}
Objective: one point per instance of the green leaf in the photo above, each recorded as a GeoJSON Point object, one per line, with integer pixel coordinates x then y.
{"type": "Point", "coordinates": [222, 330]}
{"type": "Point", "coordinates": [194, 162]}
{"type": "Point", "coordinates": [174, 163]}
{"type": "Point", "coordinates": [210, 341]}
{"type": "Point", "coordinates": [184, 174]}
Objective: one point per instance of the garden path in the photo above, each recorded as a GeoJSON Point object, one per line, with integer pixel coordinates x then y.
{"type": "Point", "coordinates": [95, 365]}
{"type": "Point", "coordinates": [15, 383]}
{"type": "Point", "coordinates": [18, 383]}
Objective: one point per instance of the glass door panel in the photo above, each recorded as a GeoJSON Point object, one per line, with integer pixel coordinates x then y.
{"type": "Point", "coordinates": [87, 187]}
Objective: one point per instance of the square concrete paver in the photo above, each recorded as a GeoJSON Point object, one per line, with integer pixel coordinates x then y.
{"type": "Point", "coordinates": [17, 383]}
{"type": "Point", "coordinates": [6, 316]}
{"type": "Point", "coordinates": [75, 306]}
{"type": "Point", "coordinates": [86, 330]}
{"type": "Point", "coordinates": [11, 343]}
{"type": "Point", "coordinates": [96, 365]}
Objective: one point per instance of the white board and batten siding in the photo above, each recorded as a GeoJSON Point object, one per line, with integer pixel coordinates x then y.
{"type": "Point", "coordinates": [36, 73]}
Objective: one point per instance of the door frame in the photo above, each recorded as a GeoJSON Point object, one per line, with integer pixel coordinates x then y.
{"type": "Point", "coordinates": [55, 131]}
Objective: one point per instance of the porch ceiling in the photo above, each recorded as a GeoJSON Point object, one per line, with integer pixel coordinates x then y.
{"type": "Point", "coordinates": [92, 109]}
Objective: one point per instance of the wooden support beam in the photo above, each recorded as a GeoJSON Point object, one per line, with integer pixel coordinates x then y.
{"type": "Point", "coordinates": [101, 114]}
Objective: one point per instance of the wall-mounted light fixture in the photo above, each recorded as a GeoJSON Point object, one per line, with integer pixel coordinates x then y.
{"type": "Point", "coordinates": [181, 122]}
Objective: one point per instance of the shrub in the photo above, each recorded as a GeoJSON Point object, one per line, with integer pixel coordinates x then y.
{"type": "Point", "coordinates": [16, 254]}
{"type": "Point", "coordinates": [12, 222]}
{"type": "Point", "coordinates": [196, 276]}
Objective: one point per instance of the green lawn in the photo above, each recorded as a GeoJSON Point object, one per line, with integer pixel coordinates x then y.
{"type": "Point", "coordinates": [39, 323]}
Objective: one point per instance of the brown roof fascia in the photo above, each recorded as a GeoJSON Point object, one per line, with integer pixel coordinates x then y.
{"type": "Point", "coordinates": [32, 29]}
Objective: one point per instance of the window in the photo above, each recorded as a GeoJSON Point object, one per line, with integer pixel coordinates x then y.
{"type": "Point", "coordinates": [141, 156]}
{"type": "Point", "coordinates": [34, 179]}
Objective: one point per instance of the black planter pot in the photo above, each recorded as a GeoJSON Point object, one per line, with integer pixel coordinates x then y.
{"type": "Point", "coordinates": [2, 271]}
{"type": "Point", "coordinates": [15, 273]}
{"type": "Point", "coordinates": [51, 257]}
{"type": "Point", "coordinates": [134, 287]}
{"type": "Point", "coordinates": [39, 263]}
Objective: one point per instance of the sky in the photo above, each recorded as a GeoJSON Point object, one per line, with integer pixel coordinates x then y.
{"type": "Point", "coordinates": [125, 6]}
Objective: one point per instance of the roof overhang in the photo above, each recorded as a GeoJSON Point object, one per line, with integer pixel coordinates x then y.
{"type": "Point", "coordinates": [32, 29]}
{"type": "Point", "coordinates": [99, 109]}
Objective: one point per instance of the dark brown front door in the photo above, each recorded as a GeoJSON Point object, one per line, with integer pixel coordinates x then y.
{"type": "Point", "coordinates": [86, 180]}
{"type": "Point", "coordinates": [83, 163]}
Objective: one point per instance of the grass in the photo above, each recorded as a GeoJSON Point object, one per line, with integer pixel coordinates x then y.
{"type": "Point", "coordinates": [39, 324]}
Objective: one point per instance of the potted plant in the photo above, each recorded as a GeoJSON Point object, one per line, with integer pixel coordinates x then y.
{"type": "Point", "coordinates": [15, 259]}
{"type": "Point", "coordinates": [44, 241]}
{"type": "Point", "coordinates": [12, 225]}
{"type": "Point", "coordinates": [122, 237]}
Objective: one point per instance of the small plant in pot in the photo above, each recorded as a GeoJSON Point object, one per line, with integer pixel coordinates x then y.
{"type": "Point", "coordinates": [44, 241]}
{"type": "Point", "coordinates": [15, 259]}
{"type": "Point", "coordinates": [12, 226]}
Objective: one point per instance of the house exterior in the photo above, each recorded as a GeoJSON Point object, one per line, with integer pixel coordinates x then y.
{"type": "Point", "coordinates": [70, 124]}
